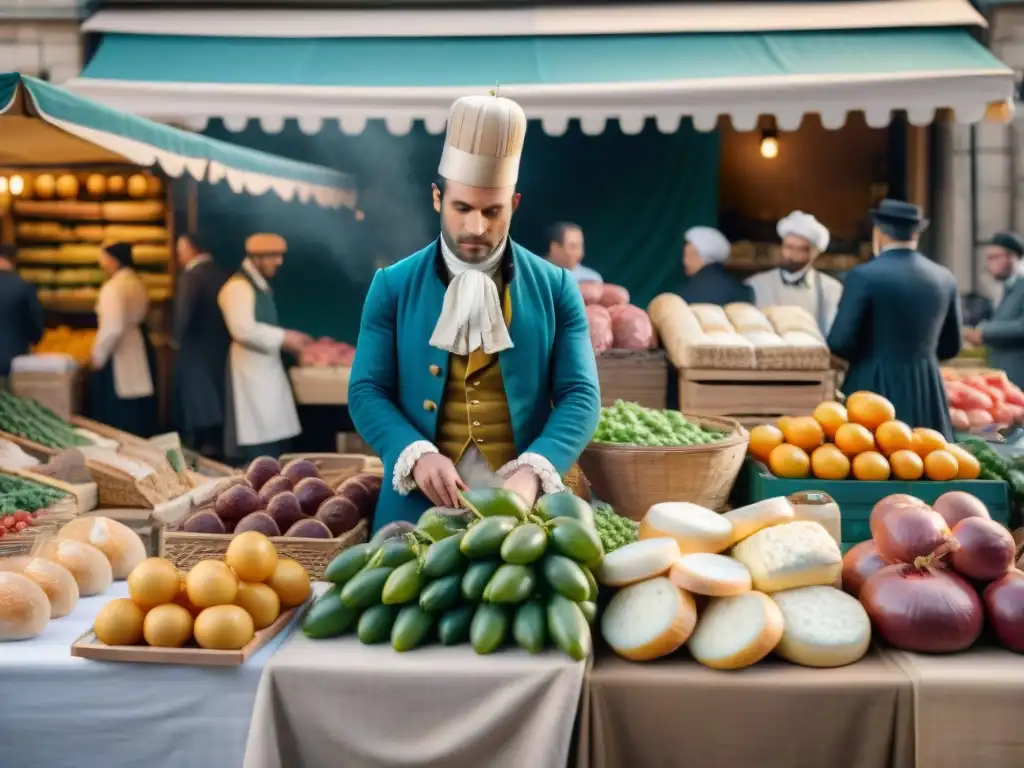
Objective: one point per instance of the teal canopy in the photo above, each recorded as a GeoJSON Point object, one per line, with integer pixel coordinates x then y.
{"type": "Point", "coordinates": [42, 124]}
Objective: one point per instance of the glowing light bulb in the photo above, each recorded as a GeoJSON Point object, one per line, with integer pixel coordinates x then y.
{"type": "Point", "coordinates": [769, 147]}
{"type": "Point", "coordinates": [3, 185]}
{"type": "Point", "coordinates": [17, 185]}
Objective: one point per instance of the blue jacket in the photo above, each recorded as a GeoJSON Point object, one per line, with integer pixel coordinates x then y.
{"type": "Point", "coordinates": [550, 374]}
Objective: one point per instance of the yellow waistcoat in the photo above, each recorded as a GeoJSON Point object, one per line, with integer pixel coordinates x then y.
{"type": "Point", "coordinates": [475, 409]}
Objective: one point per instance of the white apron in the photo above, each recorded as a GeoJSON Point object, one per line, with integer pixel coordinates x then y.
{"type": "Point", "coordinates": [819, 294]}
{"type": "Point", "coordinates": [264, 406]}
{"type": "Point", "coordinates": [121, 309]}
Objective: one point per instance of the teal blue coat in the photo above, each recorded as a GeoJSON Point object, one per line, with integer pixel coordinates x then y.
{"type": "Point", "coordinates": [550, 374]}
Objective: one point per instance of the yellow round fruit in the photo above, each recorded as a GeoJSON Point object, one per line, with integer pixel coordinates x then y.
{"type": "Point", "coordinates": [829, 463]}
{"type": "Point", "coordinates": [804, 432]}
{"type": "Point", "coordinates": [96, 185]}
{"type": "Point", "coordinates": [871, 465]}
{"type": "Point", "coordinates": [115, 185]}
{"type": "Point", "coordinates": [789, 461]}
{"type": "Point", "coordinates": [167, 626]}
{"type": "Point", "coordinates": [291, 582]}
{"type": "Point", "coordinates": [261, 602]}
{"type": "Point", "coordinates": [893, 436]}
{"type": "Point", "coordinates": [182, 598]}
{"type": "Point", "coordinates": [67, 186]}
{"type": "Point", "coordinates": [45, 186]}
{"type": "Point", "coordinates": [211, 583]}
{"type": "Point", "coordinates": [869, 409]}
{"type": "Point", "coordinates": [831, 415]}
{"type": "Point", "coordinates": [223, 628]}
{"type": "Point", "coordinates": [153, 582]}
{"type": "Point", "coordinates": [854, 439]}
{"type": "Point", "coordinates": [906, 465]}
{"type": "Point", "coordinates": [137, 185]}
{"type": "Point", "coordinates": [968, 467]}
{"type": "Point", "coordinates": [927, 440]}
{"type": "Point", "coordinates": [252, 556]}
{"type": "Point", "coordinates": [940, 465]}
{"type": "Point", "coordinates": [764, 438]}
{"type": "Point", "coordinates": [119, 622]}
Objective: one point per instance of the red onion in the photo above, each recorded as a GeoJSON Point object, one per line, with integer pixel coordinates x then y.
{"type": "Point", "coordinates": [859, 564]}
{"type": "Point", "coordinates": [905, 529]}
{"type": "Point", "coordinates": [927, 610]}
{"type": "Point", "coordinates": [958, 505]}
{"type": "Point", "coordinates": [1004, 607]}
{"type": "Point", "coordinates": [986, 549]}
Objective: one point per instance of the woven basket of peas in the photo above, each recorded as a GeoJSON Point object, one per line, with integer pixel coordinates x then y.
{"type": "Point", "coordinates": [640, 457]}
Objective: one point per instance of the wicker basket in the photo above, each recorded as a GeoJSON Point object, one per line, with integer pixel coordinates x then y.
{"type": "Point", "coordinates": [187, 549]}
{"type": "Point", "coordinates": [633, 478]}
{"type": "Point", "coordinates": [103, 430]}
{"type": "Point", "coordinates": [85, 495]}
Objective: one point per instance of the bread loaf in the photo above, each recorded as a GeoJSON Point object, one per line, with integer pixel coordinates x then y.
{"type": "Point", "coordinates": [24, 607]}
{"type": "Point", "coordinates": [676, 325]}
{"type": "Point", "coordinates": [119, 543]}
{"type": "Point", "coordinates": [86, 563]}
{"type": "Point", "coordinates": [712, 318]}
{"type": "Point", "coordinates": [791, 555]}
{"type": "Point", "coordinates": [746, 318]}
{"type": "Point", "coordinates": [55, 580]}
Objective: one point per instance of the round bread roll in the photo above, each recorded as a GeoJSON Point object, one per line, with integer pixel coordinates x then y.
{"type": "Point", "coordinates": [122, 546]}
{"type": "Point", "coordinates": [56, 581]}
{"type": "Point", "coordinates": [87, 564]}
{"type": "Point", "coordinates": [24, 607]}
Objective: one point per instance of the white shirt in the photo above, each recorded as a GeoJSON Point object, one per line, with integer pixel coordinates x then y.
{"type": "Point", "coordinates": [121, 309]}
{"type": "Point", "coordinates": [771, 290]}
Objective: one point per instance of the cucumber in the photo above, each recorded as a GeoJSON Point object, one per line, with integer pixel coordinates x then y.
{"type": "Point", "coordinates": [439, 523]}
{"type": "Point", "coordinates": [565, 577]}
{"type": "Point", "coordinates": [486, 536]}
{"type": "Point", "coordinates": [592, 597]}
{"type": "Point", "coordinates": [442, 594]}
{"type": "Point", "coordinates": [575, 540]}
{"type": "Point", "coordinates": [348, 563]}
{"type": "Point", "coordinates": [375, 624]}
{"type": "Point", "coordinates": [589, 610]}
{"type": "Point", "coordinates": [568, 627]}
{"type": "Point", "coordinates": [525, 545]}
{"type": "Point", "coordinates": [510, 584]}
{"type": "Point", "coordinates": [530, 626]}
{"type": "Point", "coordinates": [444, 557]}
{"type": "Point", "coordinates": [328, 616]}
{"type": "Point", "coordinates": [476, 577]}
{"type": "Point", "coordinates": [403, 585]}
{"type": "Point", "coordinates": [495, 502]}
{"type": "Point", "coordinates": [565, 504]}
{"type": "Point", "coordinates": [453, 626]}
{"type": "Point", "coordinates": [394, 552]}
{"type": "Point", "coordinates": [365, 588]}
{"type": "Point", "coordinates": [489, 627]}
{"type": "Point", "coordinates": [412, 625]}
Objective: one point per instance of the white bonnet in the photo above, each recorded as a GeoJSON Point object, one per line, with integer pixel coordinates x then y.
{"type": "Point", "coordinates": [806, 226]}
{"type": "Point", "coordinates": [711, 244]}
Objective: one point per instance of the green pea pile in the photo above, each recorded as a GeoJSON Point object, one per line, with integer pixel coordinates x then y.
{"type": "Point", "coordinates": [614, 530]}
{"type": "Point", "coordinates": [632, 424]}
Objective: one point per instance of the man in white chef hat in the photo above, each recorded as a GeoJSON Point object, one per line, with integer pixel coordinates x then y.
{"type": "Point", "coordinates": [707, 279]}
{"type": "Point", "coordinates": [474, 365]}
{"type": "Point", "coordinates": [796, 282]}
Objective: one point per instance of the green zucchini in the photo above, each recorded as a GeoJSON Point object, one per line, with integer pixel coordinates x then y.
{"type": "Point", "coordinates": [444, 557]}
{"type": "Point", "coordinates": [489, 627]}
{"type": "Point", "coordinates": [442, 594]}
{"type": "Point", "coordinates": [526, 544]}
{"type": "Point", "coordinates": [403, 585]}
{"type": "Point", "coordinates": [575, 540]}
{"type": "Point", "coordinates": [348, 563]}
{"type": "Point", "coordinates": [530, 626]}
{"type": "Point", "coordinates": [565, 577]}
{"type": "Point", "coordinates": [365, 588]}
{"type": "Point", "coordinates": [568, 627]}
{"type": "Point", "coordinates": [486, 536]}
{"type": "Point", "coordinates": [375, 624]}
{"type": "Point", "coordinates": [474, 581]}
{"type": "Point", "coordinates": [453, 626]}
{"type": "Point", "coordinates": [328, 616]}
{"type": "Point", "coordinates": [412, 625]}
{"type": "Point", "coordinates": [510, 584]}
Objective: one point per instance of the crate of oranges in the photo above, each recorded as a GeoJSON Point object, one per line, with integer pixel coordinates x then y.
{"type": "Point", "coordinates": [859, 453]}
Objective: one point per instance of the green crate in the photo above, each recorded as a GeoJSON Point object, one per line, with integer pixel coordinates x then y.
{"type": "Point", "coordinates": [856, 498]}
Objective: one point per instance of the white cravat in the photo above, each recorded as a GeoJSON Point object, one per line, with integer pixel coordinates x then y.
{"type": "Point", "coordinates": [471, 317]}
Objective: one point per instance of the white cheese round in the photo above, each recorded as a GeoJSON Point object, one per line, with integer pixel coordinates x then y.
{"type": "Point", "coordinates": [713, 575]}
{"type": "Point", "coordinates": [695, 528]}
{"type": "Point", "coordinates": [637, 561]}
{"type": "Point", "coordinates": [648, 620]}
{"type": "Point", "coordinates": [736, 632]}
{"type": "Point", "coordinates": [824, 627]}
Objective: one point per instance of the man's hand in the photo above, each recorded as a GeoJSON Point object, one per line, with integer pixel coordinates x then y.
{"type": "Point", "coordinates": [973, 337]}
{"type": "Point", "coordinates": [295, 341]}
{"type": "Point", "coordinates": [436, 476]}
{"type": "Point", "coordinates": [526, 483]}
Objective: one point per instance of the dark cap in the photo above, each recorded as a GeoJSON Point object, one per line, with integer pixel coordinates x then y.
{"type": "Point", "coordinates": [1011, 241]}
{"type": "Point", "coordinates": [899, 214]}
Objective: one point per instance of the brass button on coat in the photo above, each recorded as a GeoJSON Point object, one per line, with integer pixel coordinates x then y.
{"type": "Point", "coordinates": [476, 423]}
{"type": "Point", "coordinates": [429, 406]}
{"type": "Point", "coordinates": [435, 370]}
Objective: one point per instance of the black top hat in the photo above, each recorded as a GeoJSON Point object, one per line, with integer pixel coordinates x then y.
{"type": "Point", "coordinates": [1011, 241]}
{"type": "Point", "coordinates": [898, 213]}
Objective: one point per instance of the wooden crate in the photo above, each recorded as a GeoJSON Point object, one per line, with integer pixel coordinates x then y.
{"type": "Point", "coordinates": [753, 396]}
{"type": "Point", "coordinates": [638, 376]}
{"type": "Point", "coordinates": [60, 392]}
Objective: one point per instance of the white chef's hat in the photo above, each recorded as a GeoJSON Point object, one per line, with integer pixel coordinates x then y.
{"type": "Point", "coordinates": [484, 142]}
{"type": "Point", "coordinates": [806, 226]}
{"type": "Point", "coordinates": [711, 244]}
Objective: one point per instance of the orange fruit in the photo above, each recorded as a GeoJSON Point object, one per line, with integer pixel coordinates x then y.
{"type": "Point", "coordinates": [783, 421]}
{"type": "Point", "coordinates": [893, 436]}
{"type": "Point", "coordinates": [968, 467]}
{"type": "Point", "coordinates": [803, 432]}
{"type": "Point", "coordinates": [941, 465]}
{"type": "Point", "coordinates": [927, 440]}
{"type": "Point", "coordinates": [829, 463]}
{"type": "Point", "coordinates": [906, 465]}
{"type": "Point", "coordinates": [831, 415]}
{"type": "Point", "coordinates": [852, 439]}
{"type": "Point", "coordinates": [764, 438]}
{"type": "Point", "coordinates": [871, 465]}
{"type": "Point", "coordinates": [789, 461]}
{"type": "Point", "coordinates": [869, 409]}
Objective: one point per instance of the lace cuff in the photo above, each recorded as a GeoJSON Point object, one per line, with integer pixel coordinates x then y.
{"type": "Point", "coordinates": [550, 482]}
{"type": "Point", "coordinates": [402, 479]}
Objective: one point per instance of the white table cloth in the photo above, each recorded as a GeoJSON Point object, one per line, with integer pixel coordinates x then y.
{"type": "Point", "coordinates": [65, 712]}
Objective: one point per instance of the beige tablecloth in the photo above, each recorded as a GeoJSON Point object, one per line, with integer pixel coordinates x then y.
{"type": "Point", "coordinates": [968, 708]}
{"type": "Point", "coordinates": [773, 715]}
{"type": "Point", "coordinates": [329, 703]}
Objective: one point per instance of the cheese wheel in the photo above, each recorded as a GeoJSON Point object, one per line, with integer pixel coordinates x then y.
{"type": "Point", "coordinates": [735, 632]}
{"type": "Point", "coordinates": [649, 620]}
{"type": "Point", "coordinates": [695, 528]}
{"type": "Point", "coordinates": [87, 564]}
{"type": "Point", "coordinates": [824, 627]}
{"type": "Point", "coordinates": [121, 545]}
{"type": "Point", "coordinates": [56, 581]}
{"type": "Point", "coordinates": [748, 520]}
{"type": "Point", "coordinates": [637, 561]}
{"type": "Point", "coordinates": [798, 554]}
{"type": "Point", "coordinates": [24, 607]}
{"type": "Point", "coordinates": [711, 575]}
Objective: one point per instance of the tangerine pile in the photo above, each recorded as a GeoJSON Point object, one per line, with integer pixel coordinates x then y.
{"type": "Point", "coordinates": [862, 439]}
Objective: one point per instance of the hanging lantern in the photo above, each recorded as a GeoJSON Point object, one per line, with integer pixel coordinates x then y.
{"type": "Point", "coordinates": [45, 186]}
{"type": "Point", "coordinates": [115, 185]}
{"type": "Point", "coordinates": [137, 186]}
{"type": "Point", "coordinates": [67, 186]}
{"type": "Point", "coordinates": [96, 185]}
